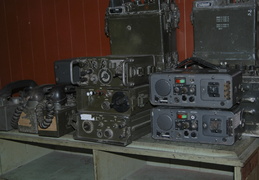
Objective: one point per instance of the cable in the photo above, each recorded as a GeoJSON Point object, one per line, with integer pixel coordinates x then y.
{"type": "Point", "coordinates": [196, 61]}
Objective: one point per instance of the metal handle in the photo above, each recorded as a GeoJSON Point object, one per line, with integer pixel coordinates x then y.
{"type": "Point", "coordinates": [125, 73]}
{"type": "Point", "coordinates": [249, 99]}
{"type": "Point", "coordinates": [250, 111]}
{"type": "Point", "coordinates": [71, 71]}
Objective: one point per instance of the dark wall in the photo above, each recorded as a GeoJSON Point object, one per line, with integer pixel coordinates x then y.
{"type": "Point", "coordinates": [35, 33]}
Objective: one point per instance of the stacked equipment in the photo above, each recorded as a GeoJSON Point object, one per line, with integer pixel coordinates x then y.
{"type": "Point", "coordinates": [228, 37]}
{"type": "Point", "coordinates": [112, 98]}
{"type": "Point", "coordinates": [196, 106]}
{"type": "Point", "coordinates": [113, 92]}
{"type": "Point", "coordinates": [212, 106]}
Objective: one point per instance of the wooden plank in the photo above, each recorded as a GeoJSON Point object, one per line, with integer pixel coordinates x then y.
{"type": "Point", "coordinates": [12, 19]}
{"type": "Point", "coordinates": [50, 37]}
{"type": "Point", "coordinates": [114, 166]}
{"type": "Point", "coordinates": [5, 76]}
{"type": "Point", "coordinates": [104, 40]}
{"type": "Point", "coordinates": [14, 154]}
{"type": "Point", "coordinates": [185, 31]}
{"type": "Point", "coordinates": [92, 27]}
{"type": "Point", "coordinates": [55, 165]}
{"type": "Point", "coordinates": [63, 29]}
{"type": "Point", "coordinates": [237, 173]}
{"type": "Point", "coordinates": [226, 155]}
{"type": "Point", "coordinates": [154, 172]}
{"type": "Point", "coordinates": [38, 59]}
{"type": "Point", "coordinates": [78, 25]}
{"type": "Point", "coordinates": [25, 41]}
{"type": "Point", "coordinates": [251, 164]}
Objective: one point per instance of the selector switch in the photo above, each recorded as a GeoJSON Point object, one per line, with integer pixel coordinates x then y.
{"type": "Point", "coordinates": [87, 126]}
{"type": "Point", "coordinates": [213, 89]}
{"type": "Point", "coordinates": [108, 133]}
{"type": "Point", "coordinates": [120, 102]}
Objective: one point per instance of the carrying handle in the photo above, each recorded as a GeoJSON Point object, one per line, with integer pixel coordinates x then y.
{"type": "Point", "coordinates": [125, 73]}
{"type": "Point", "coordinates": [71, 72]}
{"type": "Point", "coordinates": [125, 70]}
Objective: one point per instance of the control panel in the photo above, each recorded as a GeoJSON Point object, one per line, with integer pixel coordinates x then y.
{"type": "Point", "coordinates": [109, 100]}
{"type": "Point", "coordinates": [112, 71]}
{"type": "Point", "coordinates": [111, 128]}
{"type": "Point", "coordinates": [197, 125]}
{"type": "Point", "coordinates": [208, 89]}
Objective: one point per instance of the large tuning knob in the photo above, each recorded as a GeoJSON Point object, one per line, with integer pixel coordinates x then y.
{"type": "Point", "coordinates": [120, 102]}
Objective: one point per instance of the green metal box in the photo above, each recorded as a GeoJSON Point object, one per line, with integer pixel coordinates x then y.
{"type": "Point", "coordinates": [147, 28]}
{"type": "Point", "coordinates": [226, 32]}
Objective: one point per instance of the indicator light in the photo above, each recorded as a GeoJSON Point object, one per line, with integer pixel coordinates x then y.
{"type": "Point", "coordinates": [180, 81]}
{"type": "Point", "coordinates": [182, 116]}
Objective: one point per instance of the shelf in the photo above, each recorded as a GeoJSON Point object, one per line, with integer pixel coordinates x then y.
{"type": "Point", "coordinates": [235, 155]}
{"type": "Point", "coordinates": [153, 172]}
{"type": "Point", "coordinates": [55, 165]}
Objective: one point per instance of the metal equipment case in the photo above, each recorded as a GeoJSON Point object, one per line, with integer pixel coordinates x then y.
{"type": "Point", "coordinates": [116, 101]}
{"type": "Point", "coordinates": [197, 125]}
{"type": "Point", "coordinates": [226, 32]}
{"type": "Point", "coordinates": [112, 128]}
{"type": "Point", "coordinates": [250, 104]}
{"type": "Point", "coordinates": [112, 71]}
{"type": "Point", "coordinates": [196, 88]}
{"type": "Point", "coordinates": [144, 28]}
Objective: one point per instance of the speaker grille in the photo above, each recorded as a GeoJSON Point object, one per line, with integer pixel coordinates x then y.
{"type": "Point", "coordinates": [164, 122]}
{"type": "Point", "coordinates": [162, 87]}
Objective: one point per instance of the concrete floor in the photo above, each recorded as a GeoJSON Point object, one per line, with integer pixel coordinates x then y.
{"type": "Point", "coordinates": [55, 166]}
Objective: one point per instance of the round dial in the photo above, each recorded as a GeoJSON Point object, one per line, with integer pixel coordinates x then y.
{"type": "Point", "coordinates": [105, 76]}
{"type": "Point", "coordinates": [87, 126]}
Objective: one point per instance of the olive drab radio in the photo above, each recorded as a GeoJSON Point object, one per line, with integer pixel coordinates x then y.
{"type": "Point", "coordinates": [143, 27]}
{"type": "Point", "coordinates": [116, 101]}
{"type": "Point", "coordinates": [118, 129]}
{"type": "Point", "coordinates": [229, 36]}
{"type": "Point", "coordinates": [226, 32]}
{"type": "Point", "coordinates": [113, 71]}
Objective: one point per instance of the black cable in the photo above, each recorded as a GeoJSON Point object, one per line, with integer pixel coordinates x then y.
{"type": "Point", "coordinates": [45, 121]}
{"type": "Point", "coordinates": [16, 116]}
{"type": "Point", "coordinates": [196, 61]}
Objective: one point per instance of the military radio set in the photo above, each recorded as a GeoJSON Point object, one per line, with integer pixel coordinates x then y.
{"type": "Point", "coordinates": [232, 45]}
{"type": "Point", "coordinates": [211, 105]}
{"type": "Point", "coordinates": [197, 105]}
{"type": "Point", "coordinates": [141, 87]}
{"type": "Point", "coordinates": [144, 27]}
{"type": "Point", "coordinates": [213, 126]}
{"type": "Point", "coordinates": [117, 129]}
{"type": "Point", "coordinates": [113, 71]}
{"type": "Point", "coordinates": [196, 88]}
